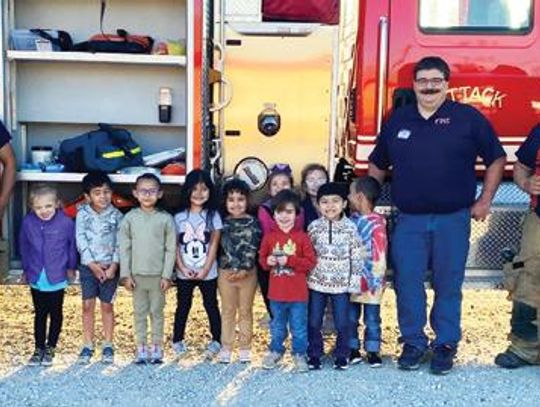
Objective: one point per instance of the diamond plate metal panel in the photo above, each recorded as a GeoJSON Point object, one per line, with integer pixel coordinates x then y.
{"type": "Point", "coordinates": [501, 229]}
{"type": "Point", "coordinates": [243, 10]}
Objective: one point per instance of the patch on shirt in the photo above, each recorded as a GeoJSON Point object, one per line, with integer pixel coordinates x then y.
{"type": "Point", "coordinates": [404, 134]}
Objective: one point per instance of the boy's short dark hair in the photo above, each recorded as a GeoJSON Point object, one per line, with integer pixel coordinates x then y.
{"type": "Point", "coordinates": [284, 198]}
{"type": "Point", "coordinates": [95, 179]}
{"type": "Point", "coordinates": [148, 176]}
{"type": "Point", "coordinates": [433, 62]}
{"type": "Point", "coordinates": [369, 187]}
{"type": "Point", "coordinates": [235, 185]}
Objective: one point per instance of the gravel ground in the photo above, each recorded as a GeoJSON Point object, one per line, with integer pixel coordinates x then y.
{"type": "Point", "coordinates": [474, 381]}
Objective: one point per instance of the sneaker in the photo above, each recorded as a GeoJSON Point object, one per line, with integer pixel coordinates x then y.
{"type": "Point", "coordinates": [355, 357]}
{"type": "Point", "coordinates": [180, 349]}
{"type": "Point", "coordinates": [271, 360]}
{"type": "Point", "coordinates": [107, 355]}
{"type": "Point", "coordinates": [85, 355]}
{"type": "Point", "coordinates": [300, 364]}
{"type": "Point", "coordinates": [35, 359]}
{"type": "Point", "coordinates": [509, 360]}
{"type": "Point", "coordinates": [244, 356]}
{"type": "Point", "coordinates": [48, 356]}
{"type": "Point", "coordinates": [314, 363]}
{"type": "Point", "coordinates": [212, 350]}
{"type": "Point", "coordinates": [142, 355]}
{"type": "Point", "coordinates": [156, 357]}
{"type": "Point", "coordinates": [442, 359]}
{"type": "Point", "coordinates": [374, 359]}
{"type": "Point", "coordinates": [341, 364]}
{"type": "Point", "coordinates": [264, 322]}
{"type": "Point", "coordinates": [224, 356]}
{"type": "Point", "coordinates": [410, 357]}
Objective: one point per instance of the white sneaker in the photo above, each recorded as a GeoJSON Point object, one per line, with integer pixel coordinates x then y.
{"type": "Point", "coordinates": [244, 356]}
{"type": "Point", "coordinates": [142, 355]}
{"type": "Point", "coordinates": [271, 360]}
{"type": "Point", "coordinates": [212, 350]}
{"type": "Point", "coordinates": [224, 356]}
{"type": "Point", "coordinates": [300, 364]}
{"type": "Point", "coordinates": [156, 357]}
{"type": "Point", "coordinates": [180, 349]}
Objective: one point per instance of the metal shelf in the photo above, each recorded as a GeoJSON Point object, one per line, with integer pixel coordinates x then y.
{"type": "Point", "coordinates": [86, 57]}
{"type": "Point", "coordinates": [74, 177]}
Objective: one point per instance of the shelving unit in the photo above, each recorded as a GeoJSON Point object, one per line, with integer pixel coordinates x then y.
{"type": "Point", "coordinates": [85, 57]}
{"type": "Point", "coordinates": [75, 177]}
{"type": "Point", "coordinates": [51, 96]}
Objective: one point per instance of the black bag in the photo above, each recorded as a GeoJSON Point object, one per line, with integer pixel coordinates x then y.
{"type": "Point", "coordinates": [107, 149]}
{"type": "Point", "coordinates": [121, 42]}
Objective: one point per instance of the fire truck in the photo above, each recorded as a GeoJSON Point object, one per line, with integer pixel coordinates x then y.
{"type": "Point", "coordinates": [273, 81]}
{"type": "Point", "coordinates": [333, 82]}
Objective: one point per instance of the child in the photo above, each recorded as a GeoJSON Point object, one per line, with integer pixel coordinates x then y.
{"type": "Point", "coordinates": [313, 176]}
{"type": "Point", "coordinates": [96, 228]}
{"type": "Point", "coordinates": [280, 178]}
{"type": "Point", "coordinates": [371, 229]}
{"type": "Point", "coordinates": [338, 263]}
{"type": "Point", "coordinates": [288, 255]}
{"type": "Point", "coordinates": [147, 249]}
{"type": "Point", "coordinates": [49, 259]}
{"type": "Point", "coordinates": [237, 279]}
{"type": "Point", "coordinates": [198, 226]}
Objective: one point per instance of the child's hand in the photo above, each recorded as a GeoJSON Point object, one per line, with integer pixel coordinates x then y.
{"type": "Point", "coordinates": [110, 272]}
{"type": "Point", "coordinates": [240, 275]}
{"type": "Point", "coordinates": [271, 261]}
{"type": "Point", "coordinates": [129, 283]}
{"type": "Point", "coordinates": [201, 274]}
{"type": "Point", "coordinates": [188, 273]}
{"type": "Point", "coordinates": [71, 275]}
{"type": "Point", "coordinates": [164, 284]}
{"type": "Point", "coordinates": [97, 271]}
{"type": "Point", "coordinates": [281, 260]}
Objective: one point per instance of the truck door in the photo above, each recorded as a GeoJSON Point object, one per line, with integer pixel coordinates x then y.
{"type": "Point", "coordinates": [491, 47]}
{"type": "Point", "coordinates": [280, 69]}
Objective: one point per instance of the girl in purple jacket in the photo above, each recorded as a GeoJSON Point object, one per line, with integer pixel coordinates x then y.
{"type": "Point", "coordinates": [49, 258]}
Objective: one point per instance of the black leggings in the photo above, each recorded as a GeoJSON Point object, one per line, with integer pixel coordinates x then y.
{"type": "Point", "coordinates": [263, 278]}
{"type": "Point", "coordinates": [47, 304]}
{"type": "Point", "coordinates": [184, 298]}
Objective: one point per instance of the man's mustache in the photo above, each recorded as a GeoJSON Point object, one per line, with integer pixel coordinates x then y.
{"type": "Point", "coordinates": [429, 91]}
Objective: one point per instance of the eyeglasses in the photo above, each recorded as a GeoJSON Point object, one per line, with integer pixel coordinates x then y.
{"type": "Point", "coordinates": [432, 81]}
{"type": "Point", "coordinates": [281, 168]}
{"type": "Point", "coordinates": [148, 192]}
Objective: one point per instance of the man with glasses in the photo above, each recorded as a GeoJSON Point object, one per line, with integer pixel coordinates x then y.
{"type": "Point", "coordinates": [431, 148]}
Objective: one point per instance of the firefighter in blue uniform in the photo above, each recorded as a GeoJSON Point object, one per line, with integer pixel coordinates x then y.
{"type": "Point", "coordinates": [431, 147]}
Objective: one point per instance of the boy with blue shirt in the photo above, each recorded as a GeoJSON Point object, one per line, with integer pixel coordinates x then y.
{"type": "Point", "coordinates": [97, 227]}
{"type": "Point", "coordinates": [431, 148]}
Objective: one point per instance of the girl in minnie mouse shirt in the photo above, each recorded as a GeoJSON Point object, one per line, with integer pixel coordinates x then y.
{"type": "Point", "coordinates": [198, 227]}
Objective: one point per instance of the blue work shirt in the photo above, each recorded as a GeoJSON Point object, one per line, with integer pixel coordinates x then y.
{"type": "Point", "coordinates": [433, 159]}
{"type": "Point", "coordinates": [528, 152]}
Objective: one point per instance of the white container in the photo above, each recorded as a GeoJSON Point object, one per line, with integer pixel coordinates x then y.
{"type": "Point", "coordinates": [41, 154]}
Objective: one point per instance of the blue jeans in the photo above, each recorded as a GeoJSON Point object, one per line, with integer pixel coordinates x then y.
{"type": "Point", "coordinates": [293, 315]}
{"type": "Point", "coordinates": [340, 311]}
{"type": "Point", "coordinates": [441, 240]}
{"type": "Point", "coordinates": [372, 326]}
